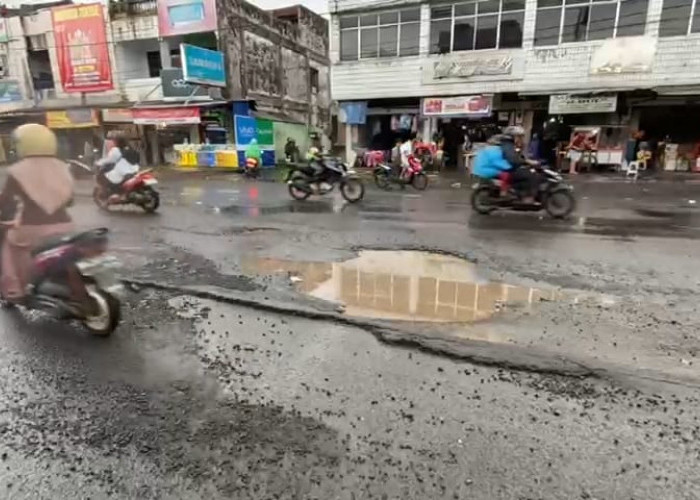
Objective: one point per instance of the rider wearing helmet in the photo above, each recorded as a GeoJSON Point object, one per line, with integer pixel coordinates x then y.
{"type": "Point", "coordinates": [121, 162]}
{"type": "Point", "coordinates": [526, 182]}
{"type": "Point", "coordinates": [34, 203]}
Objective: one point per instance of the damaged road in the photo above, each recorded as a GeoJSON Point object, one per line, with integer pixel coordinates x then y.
{"type": "Point", "coordinates": [526, 362]}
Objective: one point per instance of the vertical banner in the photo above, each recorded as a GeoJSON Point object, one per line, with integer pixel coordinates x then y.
{"type": "Point", "coordinates": [181, 17]}
{"type": "Point", "coordinates": [81, 48]}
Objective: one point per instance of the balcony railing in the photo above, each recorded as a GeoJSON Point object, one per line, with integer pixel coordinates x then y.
{"type": "Point", "coordinates": [128, 8]}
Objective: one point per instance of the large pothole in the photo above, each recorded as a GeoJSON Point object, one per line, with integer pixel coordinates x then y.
{"type": "Point", "coordinates": [407, 285]}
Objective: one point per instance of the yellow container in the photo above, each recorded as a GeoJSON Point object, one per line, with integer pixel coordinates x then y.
{"type": "Point", "coordinates": [228, 159]}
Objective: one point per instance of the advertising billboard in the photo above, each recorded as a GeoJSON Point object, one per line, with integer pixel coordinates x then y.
{"type": "Point", "coordinates": [81, 48]}
{"type": "Point", "coordinates": [182, 17]}
{"type": "Point", "coordinates": [202, 66]}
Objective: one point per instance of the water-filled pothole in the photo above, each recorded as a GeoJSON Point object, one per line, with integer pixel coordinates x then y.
{"type": "Point", "coordinates": [406, 285]}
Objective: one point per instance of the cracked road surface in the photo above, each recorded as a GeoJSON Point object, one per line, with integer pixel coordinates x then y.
{"type": "Point", "coordinates": [227, 381]}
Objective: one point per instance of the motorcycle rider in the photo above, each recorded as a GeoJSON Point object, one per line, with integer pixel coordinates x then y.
{"type": "Point", "coordinates": [315, 159]}
{"type": "Point", "coordinates": [34, 202]}
{"type": "Point", "coordinates": [524, 181]}
{"type": "Point", "coordinates": [253, 155]}
{"type": "Point", "coordinates": [120, 162]}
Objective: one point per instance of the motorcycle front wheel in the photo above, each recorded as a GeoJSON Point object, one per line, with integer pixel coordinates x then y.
{"type": "Point", "coordinates": [151, 200]}
{"type": "Point", "coordinates": [420, 181]}
{"type": "Point", "coordinates": [109, 313]}
{"type": "Point", "coordinates": [352, 190]}
{"type": "Point", "coordinates": [560, 204]}
{"type": "Point", "coordinates": [295, 191]}
{"type": "Point", "coordinates": [381, 179]}
{"type": "Point", "coordinates": [100, 201]}
{"type": "Point", "coordinates": [482, 201]}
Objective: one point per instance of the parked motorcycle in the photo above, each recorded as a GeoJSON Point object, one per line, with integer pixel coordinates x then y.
{"type": "Point", "coordinates": [302, 182]}
{"type": "Point", "coordinates": [138, 189]}
{"type": "Point", "coordinates": [385, 176]}
{"type": "Point", "coordinates": [85, 253]}
{"type": "Point", "coordinates": [554, 196]}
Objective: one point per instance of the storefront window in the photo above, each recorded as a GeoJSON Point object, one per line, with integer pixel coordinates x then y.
{"type": "Point", "coordinates": [679, 17]}
{"type": "Point", "coordinates": [387, 34]}
{"type": "Point", "coordinates": [488, 24]}
{"type": "Point", "coordinates": [581, 20]}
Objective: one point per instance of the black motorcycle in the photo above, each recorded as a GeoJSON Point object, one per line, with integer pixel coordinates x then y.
{"type": "Point", "coordinates": [554, 196]}
{"type": "Point", "coordinates": [304, 180]}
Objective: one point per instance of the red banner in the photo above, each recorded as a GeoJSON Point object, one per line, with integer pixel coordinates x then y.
{"type": "Point", "coordinates": [81, 47]}
{"type": "Point", "coordinates": [166, 116]}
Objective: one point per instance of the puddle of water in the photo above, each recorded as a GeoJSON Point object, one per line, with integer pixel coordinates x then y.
{"type": "Point", "coordinates": [405, 285]}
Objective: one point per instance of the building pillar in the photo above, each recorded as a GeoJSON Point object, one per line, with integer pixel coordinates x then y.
{"type": "Point", "coordinates": [166, 61]}
{"type": "Point", "coordinates": [349, 151]}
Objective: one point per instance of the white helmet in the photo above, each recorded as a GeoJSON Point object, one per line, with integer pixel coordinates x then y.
{"type": "Point", "coordinates": [514, 130]}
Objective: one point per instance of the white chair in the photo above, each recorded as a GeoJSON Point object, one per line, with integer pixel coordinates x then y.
{"type": "Point", "coordinates": [632, 170]}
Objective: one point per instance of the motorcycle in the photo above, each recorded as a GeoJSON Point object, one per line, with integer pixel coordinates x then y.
{"type": "Point", "coordinates": [554, 196]}
{"type": "Point", "coordinates": [302, 181]}
{"type": "Point", "coordinates": [384, 175]}
{"type": "Point", "coordinates": [252, 169]}
{"type": "Point", "coordinates": [85, 253]}
{"type": "Point", "coordinates": [138, 189]}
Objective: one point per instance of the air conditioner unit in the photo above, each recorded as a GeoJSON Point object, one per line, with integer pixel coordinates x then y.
{"type": "Point", "coordinates": [37, 42]}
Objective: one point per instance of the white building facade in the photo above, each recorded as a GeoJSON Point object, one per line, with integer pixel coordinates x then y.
{"type": "Point", "coordinates": [611, 63]}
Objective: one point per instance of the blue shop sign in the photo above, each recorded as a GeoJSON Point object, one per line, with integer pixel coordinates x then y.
{"type": "Point", "coordinates": [202, 66]}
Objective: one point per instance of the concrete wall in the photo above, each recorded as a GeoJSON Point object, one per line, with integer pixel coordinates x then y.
{"type": "Point", "coordinates": [269, 60]}
{"type": "Point", "coordinates": [543, 70]}
{"type": "Point", "coordinates": [131, 58]}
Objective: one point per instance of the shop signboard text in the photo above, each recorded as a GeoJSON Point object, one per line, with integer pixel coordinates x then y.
{"type": "Point", "coordinates": [202, 66]}
{"type": "Point", "coordinates": [562, 104]}
{"type": "Point", "coordinates": [166, 116]}
{"type": "Point", "coordinates": [175, 87]}
{"type": "Point", "coordinates": [473, 105]}
{"type": "Point", "coordinates": [72, 118]}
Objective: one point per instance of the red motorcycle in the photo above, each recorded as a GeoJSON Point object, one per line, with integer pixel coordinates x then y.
{"type": "Point", "coordinates": [82, 255]}
{"type": "Point", "coordinates": [138, 189]}
{"type": "Point", "coordinates": [385, 176]}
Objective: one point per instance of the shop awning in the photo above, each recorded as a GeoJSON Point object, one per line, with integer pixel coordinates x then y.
{"type": "Point", "coordinates": [602, 90]}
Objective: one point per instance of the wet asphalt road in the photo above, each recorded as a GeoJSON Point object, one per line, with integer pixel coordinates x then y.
{"type": "Point", "coordinates": [201, 398]}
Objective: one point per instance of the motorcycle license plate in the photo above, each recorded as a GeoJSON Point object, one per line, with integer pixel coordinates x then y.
{"type": "Point", "coordinates": [150, 182]}
{"type": "Point", "coordinates": [103, 269]}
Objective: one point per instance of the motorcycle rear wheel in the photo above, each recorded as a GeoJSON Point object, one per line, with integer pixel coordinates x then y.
{"type": "Point", "coordinates": [152, 201]}
{"type": "Point", "coordinates": [560, 204]}
{"type": "Point", "coordinates": [109, 316]}
{"type": "Point", "coordinates": [482, 201]}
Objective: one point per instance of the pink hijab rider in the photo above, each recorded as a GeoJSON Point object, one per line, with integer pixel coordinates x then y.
{"type": "Point", "coordinates": [34, 204]}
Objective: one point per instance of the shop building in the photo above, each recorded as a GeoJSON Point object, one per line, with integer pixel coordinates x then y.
{"type": "Point", "coordinates": [532, 60]}
{"type": "Point", "coordinates": [136, 82]}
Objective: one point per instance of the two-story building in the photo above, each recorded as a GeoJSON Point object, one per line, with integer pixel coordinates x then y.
{"type": "Point", "coordinates": [422, 66]}
{"type": "Point", "coordinates": [90, 67]}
